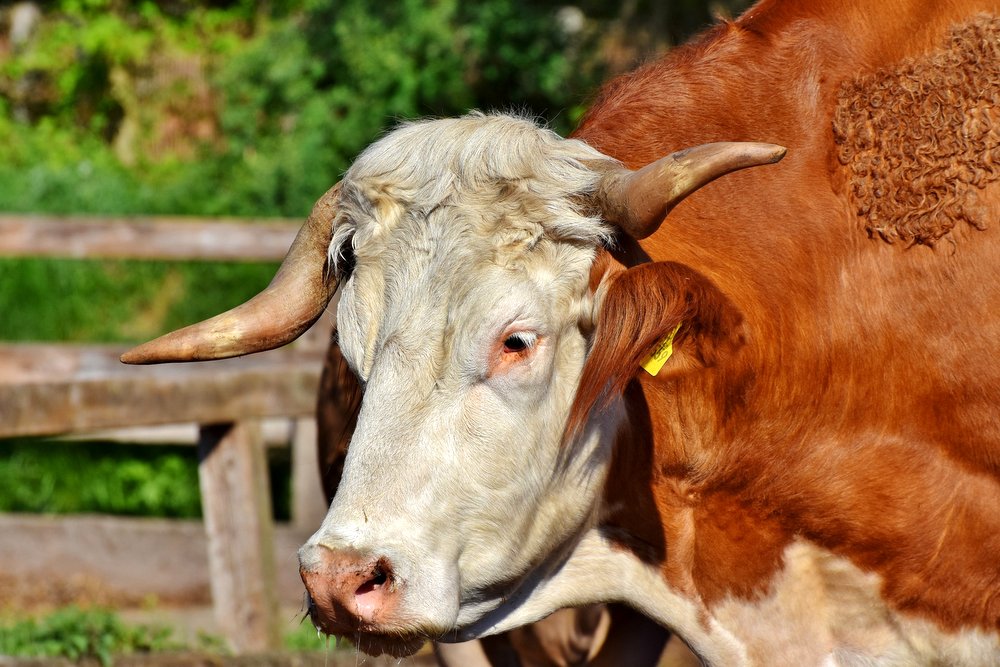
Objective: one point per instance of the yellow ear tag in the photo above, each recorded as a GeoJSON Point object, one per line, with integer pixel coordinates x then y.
{"type": "Point", "coordinates": [655, 361]}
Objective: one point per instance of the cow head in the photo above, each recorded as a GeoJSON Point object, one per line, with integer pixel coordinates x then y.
{"type": "Point", "coordinates": [464, 250]}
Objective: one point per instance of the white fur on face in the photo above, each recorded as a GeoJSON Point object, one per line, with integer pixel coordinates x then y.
{"type": "Point", "coordinates": [465, 232]}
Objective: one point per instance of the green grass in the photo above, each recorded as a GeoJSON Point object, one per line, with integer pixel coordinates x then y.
{"type": "Point", "coordinates": [78, 633]}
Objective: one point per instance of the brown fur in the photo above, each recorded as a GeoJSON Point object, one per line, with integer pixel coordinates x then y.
{"type": "Point", "coordinates": [336, 417]}
{"type": "Point", "coordinates": [922, 138]}
{"type": "Point", "coordinates": [856, 403]}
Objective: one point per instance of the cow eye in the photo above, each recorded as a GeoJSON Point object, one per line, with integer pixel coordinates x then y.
{"type": "Point", "coordinates": [518, 342]}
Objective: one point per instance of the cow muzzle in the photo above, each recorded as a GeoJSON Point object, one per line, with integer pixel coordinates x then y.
{"type": "Point", "coordinates": [357, 596]}
{"type": "Point", "coordinates": [349, 591]}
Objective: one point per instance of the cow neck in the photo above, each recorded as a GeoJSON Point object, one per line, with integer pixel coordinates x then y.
{"type": "Point", "coordinates": [661, 505]}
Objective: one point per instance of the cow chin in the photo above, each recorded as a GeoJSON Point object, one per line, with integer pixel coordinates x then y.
{"type": "Point", "coordinates": [371, 638]}
{"type": "Point", "coordinates": [396, 646]}
{"type": "Point", "coordinates": [374, 644]}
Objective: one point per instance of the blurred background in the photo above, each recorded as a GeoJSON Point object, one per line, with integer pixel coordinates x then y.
{"type": "Point", "coordinates": [217, 108]}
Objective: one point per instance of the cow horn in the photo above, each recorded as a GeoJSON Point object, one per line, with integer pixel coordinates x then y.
{"type": "Point", "coordinates": [638, 201]}
{"type": "Point", "coordinates": [295, 298]}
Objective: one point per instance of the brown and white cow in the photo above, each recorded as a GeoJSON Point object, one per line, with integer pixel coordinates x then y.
{"type": "Point", "coordinates": [813, 478]}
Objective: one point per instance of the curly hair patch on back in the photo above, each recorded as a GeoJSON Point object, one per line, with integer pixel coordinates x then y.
{"type": "Point", "coordinates": [921, 139]}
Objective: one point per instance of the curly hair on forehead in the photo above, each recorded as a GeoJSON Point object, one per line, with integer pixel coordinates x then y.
{"type": "Point", "coordinates": [921, 140]}
{"type": "Point", "coordinates": [497, 174]}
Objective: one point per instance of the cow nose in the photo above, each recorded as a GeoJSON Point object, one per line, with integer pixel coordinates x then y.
{"type": "Point", "coordinates": [348, 591]}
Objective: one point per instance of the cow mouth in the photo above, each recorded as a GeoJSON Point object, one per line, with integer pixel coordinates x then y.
{"type": "Point", "coordinates": [372, 640]}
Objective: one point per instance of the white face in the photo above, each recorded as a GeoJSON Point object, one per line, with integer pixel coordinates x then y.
{"type": "Point", "coordinates": [464, 319]}
{"type": "Point", "coordinates": [467, 334]}
{"type": "Point", "coordinates": [456, 470]}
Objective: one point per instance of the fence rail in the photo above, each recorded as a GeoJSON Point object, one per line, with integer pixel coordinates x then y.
{"type": "Point", "coordinates": [59, 389]}
{"type": "Point", "coordinates": [168, 238]}
{"type": "Point", "coordinates": [63, 389]}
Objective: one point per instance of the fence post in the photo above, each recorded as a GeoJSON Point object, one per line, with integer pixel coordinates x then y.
{"type": "Point", "coordinates": [236, 502]}
{"type": "Point", "coordinates": [308, 506]}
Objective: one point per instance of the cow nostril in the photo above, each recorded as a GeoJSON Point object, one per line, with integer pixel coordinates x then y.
{"type": "Point", "coordinates": [380, 576]}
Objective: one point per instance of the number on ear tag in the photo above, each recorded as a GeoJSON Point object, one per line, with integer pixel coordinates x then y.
{"type": "Point", "coordinates": [655, 361]}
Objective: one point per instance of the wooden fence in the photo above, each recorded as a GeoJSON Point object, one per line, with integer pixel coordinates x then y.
{"type": "Point", "coordinates": [63, 389]}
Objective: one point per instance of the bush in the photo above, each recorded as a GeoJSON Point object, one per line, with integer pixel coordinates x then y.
{"type": "Point", "coordinates": [225, 108]}
{"type": "Point", "coordinates": [55, 477]}
{"type": "Point", "coordinates": [117, 301]}
{"type": "Point", "coordinates": [62, 477]}
{"type": "Point", "coordinates": [76, 634]}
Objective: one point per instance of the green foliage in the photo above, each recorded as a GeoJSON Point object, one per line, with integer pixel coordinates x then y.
{"type": "Point", "coordinates": [305, 96]}
{"type": "Point", "coordinates": [521, 58]}
{"type": "Point", "coordinates": [76, 633]}
{"type": "Point", "coordinates": [128, 301]}
{"type": "Point", "coordinates": [85, 49]}
{"type": "Point", "coordinates": [297, 93]}
{"type": "Point", "coordinates": [274, 100]}
{"type": "Point", "coordinates": [100, 634]}
{"type": "Point", "coordinates": [50, 476]}
{"type": "Point", "coordinates": [59, 477]}
{"type": "Point", "coordinates": [56, 168]}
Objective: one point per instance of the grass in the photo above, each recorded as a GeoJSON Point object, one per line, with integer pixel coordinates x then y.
{"type": "Point", "coordinates": [46, 476]}
{"type": "Point", "coordinates": [79, 633]}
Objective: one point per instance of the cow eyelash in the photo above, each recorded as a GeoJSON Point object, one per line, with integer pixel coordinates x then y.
{"type": "Point", "coordinates": [519, 342]}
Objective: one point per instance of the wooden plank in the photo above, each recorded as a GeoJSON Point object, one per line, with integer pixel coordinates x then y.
{"type": "Point", "coordinates": [52, 390]}
{"type": "Point", "coordinates": [278, 432]}
{"type": "Point", "coordinates": [164, 238]}
{"type": "Point", "coordinates": [24, 363]}
{"type": "Point", "coordinates": [236, 504]}
{"type": "Point", "coordinates": [121, 561]}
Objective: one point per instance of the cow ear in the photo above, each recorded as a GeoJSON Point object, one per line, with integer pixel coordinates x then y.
{"type": "Point", "coordinates": [602, 272]}
{"type": "Point", "coordinates": [640, 308]}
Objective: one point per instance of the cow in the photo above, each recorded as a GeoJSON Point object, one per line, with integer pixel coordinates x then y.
{"type": "Point", "coordinates": [760, 408]}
